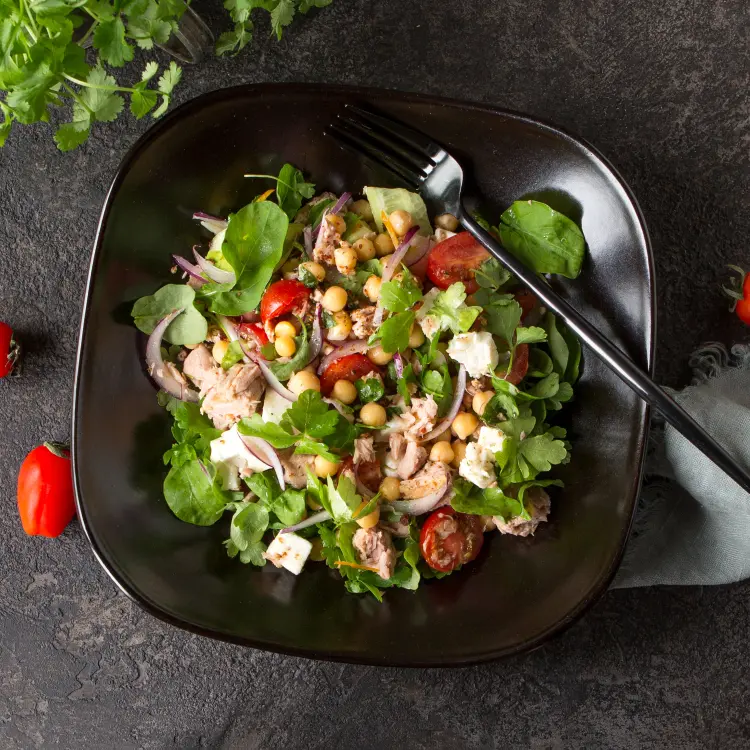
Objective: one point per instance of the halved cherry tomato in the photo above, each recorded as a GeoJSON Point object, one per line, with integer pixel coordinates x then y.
{"type": "Point", "coordinates": [282, 297]}
{"type": "Point", "coordinates": [449, 539]}
{"type": "Point", "coordinates": [351, 367]}
{"type": "Point", "coordinates": [45, 491]}
{"type": "Point", "coordinates": [520, 365]}
{"type": "Point", "coordinates": [10, 350]}
{"type": "Point", "coordinates": [527, 301]}
{"type": "Point", "coordinates": [256, 331]}
{"type": "Point", "coordinates": [456, 259]}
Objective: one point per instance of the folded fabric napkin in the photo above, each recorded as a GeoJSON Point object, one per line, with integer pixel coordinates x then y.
{"type": "Point", "coordinates": [692, 526]}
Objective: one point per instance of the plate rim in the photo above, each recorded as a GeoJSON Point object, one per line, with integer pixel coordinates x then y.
{"type": "Point", "coordinates": [355, 92]}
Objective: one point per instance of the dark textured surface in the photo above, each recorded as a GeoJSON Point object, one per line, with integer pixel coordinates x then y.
{"type": "Point", "coordinates": [658, 87]}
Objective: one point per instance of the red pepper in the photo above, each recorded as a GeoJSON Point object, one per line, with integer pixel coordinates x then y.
{"type": "Point", "coordinates": [45, 491]}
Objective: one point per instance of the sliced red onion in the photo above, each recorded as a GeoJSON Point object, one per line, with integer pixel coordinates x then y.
{"type": "Point", "coordinates": [422, 504]}
{"type": "Point", "coordinates": [191, 270]}
{"type": "Point", "coordinates": [212, 272]}
{"type": "Point", "coordinates": [319, 517]}
{"type": "Point", "coordinates": [398, 254]}
{"type": "Point", "coordinates": [212, 223]}
{"type": "Point", "coordinates": [251, 451]}
{"type": "Point", "coordinates": [307, 235]}
{"type": "Point", "coordinates": [157, 369]}
{"type": "Point", "coordinates": [316, 339]}
{"type": "Point", "coordinates": [455, 406]}
{"type": "Point", "coordinates": [273, 382]}
{"type": "Point", "coordinates": [416, 365]}
{"type": "Point", "coordinates": [349, 347]}
{"type": "Point", "coordinates": [250, 317]}
{"type": "Point", "coordinates": [339, 407]}
{"type": "Point", "coordinates": [398, 364]}
{"type": "Point", "coordinates": [341, 202]}
{"type": "Point", "coordinates": [419, 247]}
{"type": "Point", "coordinates": [265, 452]}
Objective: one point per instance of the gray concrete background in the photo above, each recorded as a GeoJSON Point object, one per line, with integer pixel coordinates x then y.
{"type": "Point", "coordinates": [661, 88]}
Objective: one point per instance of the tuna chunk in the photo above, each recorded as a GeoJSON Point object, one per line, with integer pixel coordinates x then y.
{"type": "Point", "coordinates": [235, 395]}
{"type": "Point", "coordinates": [295, 467]}
{"type": "Point", "coordinates": [420, 419]}
{"type": "Point", "coordinates": [325, 245]}
{"type": "Point", "coordinates": [412, 461]}
{"type": "Point", "coordinates": [362, 322]}
{"type": "Point", "coordinates": [375, 549]}
{"type": "Point", "coordinates": [364, 452]}
{"type": "Point", "coordinates": [397, 444]}
{"type": "Point", "coordinates": [201, 368]}
{"type": "Point", "coordinates": [538, 505]}
{"type": "Point", "coordinates": [429, 480]}
{"type": "Point", "coordinates": [303, 215]}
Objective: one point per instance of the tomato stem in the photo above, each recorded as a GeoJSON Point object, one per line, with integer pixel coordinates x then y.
{"type": "Point", "coordinates": [61, 450]}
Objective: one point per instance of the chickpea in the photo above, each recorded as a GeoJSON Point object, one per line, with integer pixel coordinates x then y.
{"type": "Point", "coordinates": [342, 326]}
{"type": "Point", "coordinates": [401, 222]}
{"type": "Point", "coordinates": [390, 489]}
{"type": "Point", "coordinates": [220, 349]}
{"type": "Point", "coordinates": [285, 346]}
{"type": "Point", "coordinates": [290, 266]}
{"type": "Point", "coordinates": [447, 221]}
{"type": "Point", "coordinates": [362, 208]}
{"type": "Point", "coordinates": [480, 401]}
{"type": "Point", "coordinates": [384, 244]}
{"type": "Point", "coordinates": [370, 520]}
{"type": "Point", "coordinates": [464, 424]}
{"type": "Point", "coordinates": [336, 222]}
{"type": "Point", "coordinates": [344, 391]}
{"type": "Point", "coordinates": [416, 337]}
{"type": "Point", "coordinates": [442, 451]}
{"type": "Point", "coordinates": [459, 451]}
{"type": "Point", "coordinates": [324, 467]}
{"type": "Point", "coordinates": [378, 355]}
{"type": "Point", "coordinates": [334, 299]}
{"type": "Point", "coordinates": [364, 248]}
{"type": "Point", "coordinates": [373, 415]}
{"type": "Point", "coordinates": [372, 288]}
{"type": "Point", "coordinates": [304, 380]}
{"type": "Point", "coordinates": [285, 328]}
{"type": "Point", "coordinates": [444, 435]}
{"type": "Point", "coordinates": [345, 257]}
{"type": "Point", "coordinates": [315, 269]}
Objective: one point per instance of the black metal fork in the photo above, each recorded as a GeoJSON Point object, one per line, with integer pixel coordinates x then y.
{"type": "Point", "coordinates": [425, 165]}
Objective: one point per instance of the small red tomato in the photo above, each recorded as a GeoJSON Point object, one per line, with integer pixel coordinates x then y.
{"type": "Point", "coordinates": [520, 365]}
{"type": "Point", "coordinates": [256, 331]}
{"type": "Point", "coordinates": [45, 491]}
{"type": "Point", "coordinates": [10, 350]}
{"type": "Point", "coordinates": [743, 308]}
{"type": "Point", "coordinates": [456, 259]}
{"type": "Point", "coordinates": [527, 301]}
{"type": "Point", "coordinates": [282, 297]}
{"type": "Point", "coordinates": [351, 367]}
{"type": "Point", "coordinates": [449, 539]}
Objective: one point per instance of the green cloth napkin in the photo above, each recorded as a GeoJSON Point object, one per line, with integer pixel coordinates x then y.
{"type": "Point", "coordinates": [692, 526]}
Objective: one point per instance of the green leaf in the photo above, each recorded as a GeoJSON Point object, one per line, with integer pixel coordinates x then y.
{"type": "Point", "coordinates": [169, 78]}
{"type": "Point", "coordinates": [540, 363]}
{"type": "Point", "coordinates": [491, 275]}
{"type": "Point", "coordinates": [558, 346]}
{"type": "Point", "coordinates": [343, 499]}
{"type": "Point", "coordinates": [253, 245]}
{"type": "Point", "coordinates": [291, 188]}
{"type": "Point", "coordinates": [188, 328]}
{"type": "Point", "coordinates": [532, 335]}
{"type": "Point", "coordinates": [545, 240]}
{"type": "Point", "coordinates": [109, 39]}
{"type": "Point", "coordinates": [246, 530]}
{"type": "Point", "coordinates": [67, 137]}
{"type": "Point", "coordinates": [265, 486]}
{"type": "Point", "coordinates": [543, 451]}
{"type": "Point", "coordinates": [572, 370]}
{"type": "Point", "coordinates": [285, 370]}
{"type": "Point", "coordinates": [192, 431]}
{"type": "Point", "coordinates": [142, 101]}
{"type": "Point", "coordinates": [503, 317]}
{"type": "Point", "coordinates": [547, 387]}
{"type": "Point", "coordinates": [227, 301]}
{"type": "Point", "coordinates": [289, 506]}
{"type": "Point", "coordinates": [100, 104]}
{"type": "Point", "coordinates": [437, 383]}
{"type": "Point", "coordinates": [282, 16]}
{"type": "Point", "coordinates": [192, 495]}
{"type": "Point", "coordinates": [254, 426]}
{"type": "Point", "coordinates": [395, 199]}
{"type": "Point", "coordinates": [400, 296]}
{"type": "Point", "coordinates": [492, 501]}
{"type": "Point", "coordinates": [233, 355]}
{"type": "Point", "coordinates": [312, 447]}
{"type": "Point", "coordinates": [305, 5]}
{"type": "Point", "coordinates": [448, 309]}
{"type": "Point", "coordinates": [369, 389]}
{"type": "Point", "coordinates": [310, 281]}
{"type": "Point", "coordinates": [311, 415]}
{"type": "Point", "coordinates": [394, 332]}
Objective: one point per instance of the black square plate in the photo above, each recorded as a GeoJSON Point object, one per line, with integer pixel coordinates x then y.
{"type": "Point", "coordinates": [520, 591]}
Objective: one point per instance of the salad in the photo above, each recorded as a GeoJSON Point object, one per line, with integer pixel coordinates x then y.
{"type": "Point", "coordinates": [360, 385]}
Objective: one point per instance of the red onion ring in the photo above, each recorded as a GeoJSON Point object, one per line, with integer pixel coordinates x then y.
{"type": "Point", "coordinates": [273, 382]}
{"type": "Point", "coordinates": [398, 364]}
{"type": "Point", "coordinates": [156, 367]}
{"type": "Point", "coordinates": [422, 504]}
{"type": "Point", "coordinates": [307, 235]}
{"type": "Point", "coordinates": [265, 452]}
{"type": "Point", "coordinates": [212, 223]}
{"type": "Point", "coordinates": [395, 260]}
{"type": "Point", "coordinates": [349, 347]}
{"type": "Point", "coordinates": [318, 517]}
{"type": "Point", "coordinates": [316, 339]}
{"type": "Point", "coordinates": [455, 406]}
{"type": "Point", "coordinates": [214, 273]}
{"type": "Point", "coordinates": [191, 270]}
{"type": "Point", "coordinates": [337, 206]}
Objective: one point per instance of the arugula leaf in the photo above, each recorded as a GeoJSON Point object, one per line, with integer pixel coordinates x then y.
{"type": "Point", "coordinates": [253, 244]}
{"type": "Point", "coordinates": [192, 431]}
{"type": "Point", "coordinates": [503, 317]}
{"type": "Point", "coordinates": [447, 309]}
{"type": "Point", "coordinates": [233, 355]}
{"type": "Point", "coordinates": [393, 334]}
{"type": "Point", "coordinates": [249, 523]}
{"type": "Point", "coordinates": [400, 296]}
{"type": "Point", "coordinates": [558, 346]}
{"type": "Point", "coordinates": [311, 415]}
{"type": "Point", "coordinates": [192, 494]}
{"type": "Point", "coordinates": [188, 328]}
{"type": "Point", "coordinates": [369, 389]}
{"type": "Point", "coordinates": [545, 240]}
{"type": "Point", "coordinates": [285, 370]}
{"type": "Point", "coordinates": [273, 433]}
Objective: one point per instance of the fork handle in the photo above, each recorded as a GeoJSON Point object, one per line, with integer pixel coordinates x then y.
{"type": "Point", "coordinates": [613, 357]}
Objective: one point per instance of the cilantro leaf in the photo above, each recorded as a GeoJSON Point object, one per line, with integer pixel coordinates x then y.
{"type": "Point", "coordinates": [531, 335]}
{"type": "Point", "coordinates": [400, 295]}
{"type": "Point", "coordinates": [70, 136]}
{"type": "Point", "coordinates": [447, 309]}
{"type": "Point", "coordinates": [543, 451]}
{"type": "Point", "coordinates": [491, 275]}
{"type": "Point", "coordinates": [369, 389]}
{"type": "Point", "coordinates": [394, 332]}
{"type": "Point", "coordinates": [249, 523]}
{"type": "Point", "coordinates": [311, 447]}
{"type": "Point", "coordinates": [109, 40]}
{"type": "Point", "coordinates": [310, 415]}
{"type": "Point", "coordinates": [282, 16]}
{"type": "Point", "coordinates": [503, 317]}
{"type": "Point", "coordinates": [272, 433]}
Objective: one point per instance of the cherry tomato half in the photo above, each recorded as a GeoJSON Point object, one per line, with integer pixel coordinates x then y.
{"type": "Point", "coordinates": [520, 365]}
{"type": "Point", "coordinates": [456, 259]}
{"type": "Point", "coordinates": [351, 367]}
{"type": "Point", "coordinates": [45, 491]}
{"type": "Point", "coordinates": [256, 331]}
{"type": "Point", "coordinates": [282, 297]}
{"type": "Point", "coordinates": [449, 539]}
{"type": "Point", "coordinates": [527, 301]}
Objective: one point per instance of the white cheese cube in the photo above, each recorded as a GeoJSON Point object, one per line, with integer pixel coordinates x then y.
{"type": "Point", "coordinates": [274, 406]}
{"type": "Point", "coordinates": [289, 551]}
{"type": "Point", "coordinates": [475, 351]}
{"type": "Point", "coordinates": [231, 456]}
{"type": "Point", "coordinates": [478, 466]}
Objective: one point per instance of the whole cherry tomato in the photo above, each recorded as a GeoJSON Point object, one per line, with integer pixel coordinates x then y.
{"type": "Point", "coordinates": [456, 259]}
{"type": "Point", "coordinates": [45, 491]}
{"type": "Point", "coordinates": [449, 539]}
{"type": "Point", "coordinates": [351, 367]}
{"type": "Point", "coordinates": [10, 350]}
{"type": "Point", "coordinates": [282, 297]}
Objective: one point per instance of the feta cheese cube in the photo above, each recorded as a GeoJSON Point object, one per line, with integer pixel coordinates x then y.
{"type": "Point", "coordinates": [231, 456]}
{"type": "Point", "coordinates": [491, 439]}
{"type": "Point", "coordinates": [478, 465]}
{"type": "Point", "coordinates": [475, 351]}
{"type": "Point", "coordinates": [289, 551]}
{"type": "Point", "coordinates": [274, 406]}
